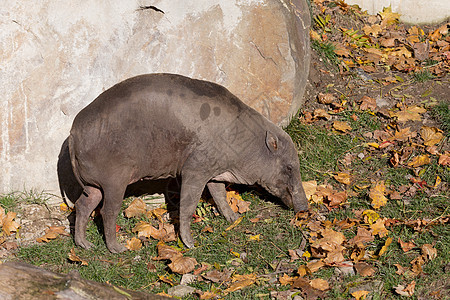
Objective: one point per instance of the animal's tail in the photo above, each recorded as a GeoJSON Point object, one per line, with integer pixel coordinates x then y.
{"type": "Point", "coordinates": [74, 162]}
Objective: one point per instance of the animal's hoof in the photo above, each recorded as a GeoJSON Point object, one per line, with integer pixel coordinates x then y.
{"type": "Point", "coordinates": [116, 248]}
{"type": "Point", "coordinates": [84, 244]}
{"type": "Point", "coordinates": [232, 217]}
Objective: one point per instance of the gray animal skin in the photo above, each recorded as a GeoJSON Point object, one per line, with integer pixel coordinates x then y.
{"type": "Point", "coordinates": [164, 125]}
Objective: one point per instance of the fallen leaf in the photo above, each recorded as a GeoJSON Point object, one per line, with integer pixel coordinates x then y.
{"type": "Point", "coordinates": [8, 224]}
{"type": "Point", "coordinates": [136, 208]}
{"type": "Point", "coordinates": [286, 279]}
{"type": "Point", "coordinates": [321, 113]}
{"type": "Point", "coordinates": [326, 98]}
{"type": "Point", "coordinates": [166, 252]}
{"type": "Point", "coordinates": [157, 213]}
{"type": "Point", "coordinates": [412, 113]}
{"type": "Point", "coordinates": [133, 244]}
{"type": "Point", "coordinates": [236, 202]}
{"type": "Point", "coordinates": [376, 194]}
{"type": "Point", "coordinates": [319, 284]}
{"type": "Point", "coordinates": [444, 159]}
{"type": "Point", "coordinates": [255, 238]}
{"type": "Point", "coordinates": [310, 188]}
{"type": "Point", "coordinates": [419, 161]}
{"type": "Point", "coordinates": [241, 281]}
{"type": "Point", "coordinates": [405, 291]}
{"type": "Point", "coordinates": [363, 236]}
{"type": "Point", "coordinates": [373, 30]}
{"type": "Point", "coordinates": [218, 276]}
{"type": "Point", "coordinates": [344, 178]}
{"type": "Point", "coordinates": [341, 126]}
{"type": "Point", "coordinates": [378, 228]}
{"type": "Point", "coordinates": [51, 233]}
{"type": "Point", "coordinates": [360, 295]}
{"type": "Point", "coordinates": [429, 252]}
{"type": "Point", "coordinates": [406, 246]}
{"type": "Point", "coordinates": [364, 269]}
{"type": "Point", "coordinates": [75, 258]}
{"type": "Point", "coordinates": [182, 264]}
{"type": "Point", "coordinates": [385, 246]}
{"type": "Point", "coordinates": [315, 265]}
{"type": "Point", "coordinates": [370, 216]}
{"type": "Point", "coordinates": [400, 269]}
{"type": "Point", "coordinates": [417, 264]}
{"type": "Point", "coordinates": [337, 199]}
{"type": "Point", "coordinates": [403, 134]}
{"type": "Point", "coordinates": [368, 103]}
{"type": "Point", "coordinates": [388, 16]}
{"type": "Point", "coordinates": [303, 270]}
{"type": "Point", "coordinates": [236, 223]}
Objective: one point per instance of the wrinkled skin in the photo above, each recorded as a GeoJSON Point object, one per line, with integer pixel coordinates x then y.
{"type": "Point", "coordinates": [162, 125]}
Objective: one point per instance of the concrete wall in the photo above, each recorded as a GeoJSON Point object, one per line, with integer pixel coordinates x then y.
{"type": "Point", "coordinates": [411, 11]}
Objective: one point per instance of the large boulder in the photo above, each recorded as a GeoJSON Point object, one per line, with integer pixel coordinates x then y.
{"type": "Point", "coordinates": [57, 56]}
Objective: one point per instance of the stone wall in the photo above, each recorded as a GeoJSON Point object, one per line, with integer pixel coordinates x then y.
{"type": "Point", "coordinates": [57, 56]}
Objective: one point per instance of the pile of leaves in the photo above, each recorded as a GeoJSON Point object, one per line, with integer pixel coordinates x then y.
{"type": "Point", "coordinates": [382, 43]}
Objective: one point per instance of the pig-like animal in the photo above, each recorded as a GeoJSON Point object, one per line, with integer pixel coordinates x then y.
{"type": "Point", "coordinates": [164, 125]}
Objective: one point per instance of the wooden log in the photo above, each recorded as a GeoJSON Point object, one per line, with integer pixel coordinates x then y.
{"type": "Point", "coordinates": [23, 281]}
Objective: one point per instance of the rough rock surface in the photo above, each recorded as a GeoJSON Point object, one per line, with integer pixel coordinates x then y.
{"type": "Point", "coordinates": [56, 57]}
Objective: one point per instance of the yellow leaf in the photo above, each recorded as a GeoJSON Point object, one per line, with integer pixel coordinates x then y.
{"type": "Point", "coordinates": [370, 216]}
{"type": "Point", "coordinates": [360, 295]}
{"type": "Point", "coordinates": [341, 126]}
{"type": "Point", "coordinates": [286, 279]}
{"type": "Point", "coordinates": [134, 244]}
{"type": "Point", "coordinates": [241, 281]}
{"type": "Point", "coordinates": [438, 182]}
{"type": "Point", "coordinates": [375, 145]}
{"type": "Point", "coordinates": [386, 245]}
{"type": "Point", "coordinates": [378, 228]}
{"type": "Point", "coordinates": [255, 238]}
{"type": "Point", "coordinates": [236, 202]}
{"type": "Point", "coordinates": [302, 270]}
{"type": "Point", "coordinates": [377, 195]}
{"type": "Point", "coordinates": [388, 16]}
{"type": "Point", "coordinates": [344, 178]}
{"type": "Point", "coordinates": [319, 284]}
{"type": "Point", "coordinates": [315, 265]}
{"type": "Point", "coordinates": [431, 135]}
{"type": "Point", "coordinates": [236, 223]}
{"type": "Point", "coordinates": [411, 113]}
{"type": "Point", "coordinates": [419, 161]}
{"type": "Point", "coordinates": [51, 233]}
{"type": "Point", "coordinates": [136, 208]}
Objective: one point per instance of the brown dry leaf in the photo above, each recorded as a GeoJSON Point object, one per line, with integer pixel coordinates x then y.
{"type": "Point", "coordinates": [157, 213]}
{"type": "Point", "coordinates": [321, 113]}
{"type": "Point", "coordinates": [145, 229]}
{"type": "Point", "coordinates": [373, 30]}
{"type": "Point", "coordinates": [75, 258]}
{"type": "Point", "coordinates": [406, 291]}
{"type": "Point", "coordinates": [429, 252]}
{"type": "Point", "coordinates": [314, 265]}
{"type": "Point", "coordinates": [364, 269]}
{"type": "Point", "coordinates": [344, 178]}
{"type": "Point", "coordinates": [388, 16]}
{"type": "Point", "coordinates": [360, 295]}
{"type": "Point", "coordinates": [2, 216]}
{"type": "Point", "coordinates": [134, 244]}
{"type": "Point", "coordinates": [208, 295]}
{"type": "Point", "coordinates": [378, 228]}
{"type": "Point", "coordinates": [417, 264]}
{"type": "Point", "coordinates": [303, 270]}
{"type": "Point", "coordinates": [236, 202]}
{"type": "Point", "coordinates": [319, 284]}
{"type": "Point", "coordinates": [363, 236]}
{"type": "Point", "coordinates": [286, 279]}
{"type": "Point", "coordinates": [326, 98]}
{"type": "Point", "coordinates": [136, 208]}
{"type": "Point", "coordinates": [337, 199]}
{"type": "Point", "coordinates": [218, 276]}
{"type": "Point", "coordinates": [412, 113]}
{"type": "Point", "coordinates": [385, 246]}
{"type": "Point", "coordinates": [444, 159]}
{"type": "Point", "coordinates": [341, 126]}
{"type": "Point", "coordinates": [400, 269]}
{"type": "Point", "coordinates": [376, 194]}
{"type": "Point", "coordinates": [8, 224]}
{"type": "Point", "coordinates": [182, 264]}
{"type": "Point", "coordinates": [166, 252]}
{"type": "Point", "coordinates": [51, 233]}
{"type": "Point", "coordinates": [403, 134]}
{"type": "Point", "coordinates": [368, 103]}
{"type": "Point", "coordinates": [406, 246]}
{"type": "Point", "coordinates": [241, 281]}
{"type": "Point", "coordinates": [310, 188]}
{"type": "Point", "coordinates": [341, 50]}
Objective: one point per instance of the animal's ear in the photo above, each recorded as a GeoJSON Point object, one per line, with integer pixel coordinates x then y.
{"type": "Point", "coordinates": [271, 142]}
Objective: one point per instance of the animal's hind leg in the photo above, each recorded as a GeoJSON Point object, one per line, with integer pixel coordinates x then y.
{"type": "Point", "coordinates": [84, 206]}
{"type": "Point", "coordinates": [113, 197]}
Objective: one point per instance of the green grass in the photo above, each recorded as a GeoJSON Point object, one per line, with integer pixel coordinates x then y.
{"type": "Point", "coordinates": [326, 51]}
{"type": "Point", "coordinates": [422, 76]}
{"type": "Point", "coordinates": [441, 113]}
